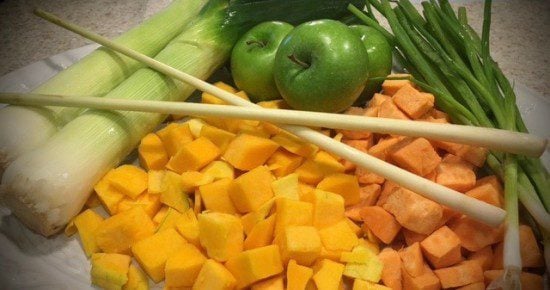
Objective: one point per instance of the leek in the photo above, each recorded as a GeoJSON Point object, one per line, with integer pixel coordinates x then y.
{"type": "Point", "coordinates": [46, 187]}
{"type": "Point", "coordinates": [25, 128]}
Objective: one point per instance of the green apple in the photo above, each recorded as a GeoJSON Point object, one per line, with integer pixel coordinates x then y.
{"type": "Point", "coordinates": [321, 66]}
{"type": "Point", "coordinates": [253, 57]}
{"type": "Point", "coordinates": [380, 58]}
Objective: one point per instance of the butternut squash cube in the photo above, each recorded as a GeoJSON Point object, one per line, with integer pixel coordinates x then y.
{"type": "Point", "coordinates": [173, 194]}
{"type": "Point", "coordinates": [338, 237]}
{"type": "Point", "coordinates": [170, 220]}
{"type": "Point", "coordinates": [328, 207]}
{"type": "Point", "coordinates": [252, 189]}
{"type": "Point", "coordinates": [129, 180]}
{"type": "Point", "coordinates": [218, 136]}
{"type": "Point", "coordinates": [274, 104]}
{"type": "Point", "coordinates": [250, 219]}
{"type": "Point", "coordinates": [292, 213]}
{"type": "Point", "coordinates": [214, 276]}
{"type": "Point", "coordinates": [345, 185]}
{"type": "Point", "coordinates": [152, 252]}
{"type": "Point", "coordinates": [221, 235]}
{"type": "Point", "coordinates": [219, 170]}
{"type": "Point", "coordinates": [294, 144]}
{"type": "Point", "coordinates": [327, 274]}
{"type": "Point", "coordinates": [261, 234]}
{"type": "Point", "coordinates": [161, 214]}
{"type": "Point", "coordinates": [359, 284]}
{"type": "Point", "coordinates": [283, 163]}
{"type": "Point", "coordinates": [363, 264]}
{"type": "Point", "coordinates": [155, 180]}
{"type": "Point", "coordinates": [152, 155]}
{"type": "Point", "coordinates": [300, 243]}
{"type": "Point", "coordinates": [149, 202]}
{"type": "Point", "coordinates": [297, 276]}
{"type": "Point", "coordinates": [254, 265]}
{"type": "Point", "coordinates": [247, 152]}
{"type": "Point", "coordinates": [110, 271]}
{"type": "Point", "coordinates": [174, 136]}
{"type": "Point", "coordinates": [274, 283]}
{"type": "Point", "coordinates": [87, 223]}
{"type": "Point", "coordinates": [119, 232]}
{"type": "Point", "coordinates": [194, 155]}
{"type": "Point", "coordinates": [287, 187]}
{"type": "Point", "coordinates": [191, 180]}
{"type": "Point", "coordinates": [137, 280]}
{"type": "Point", "coordinates": [322, 164]}
{"type": "Point", "coordinates": [195, 126]}
{"type": "Point", "coordinates": [207, 98]}
{"type": "Point", "coordinates": [183, 266]}
{"type": "Point", "coordinates": [216, 198]}
{"type": "Point", "coordinates": [188, 227]}
{"type": "Point", "coordinates": [108, 195]}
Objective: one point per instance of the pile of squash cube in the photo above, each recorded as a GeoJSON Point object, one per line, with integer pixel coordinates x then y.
{"type": "Point", "coordinates": [239, 204]}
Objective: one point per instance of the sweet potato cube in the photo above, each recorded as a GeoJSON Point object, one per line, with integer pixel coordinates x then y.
{"type": "Point", "coordinates": [328, 207]}
{"type": "Point", "coordinates": [297, 276]}
{"type": "Point", "coordinates": [412, 237]}
{"type": "Point", "coordinates": [110, 271]}
{"type": "Point", "coordinates": [214, 276]}
{"type": "Point", "coordinates": [287, 187]}
{"type": "Point", "coordinates": [474, 155]}
{"type": "Point", "coordinates": [247, 152]}
{"type": "Point", "coordinates": [391, 273]}
{"type": "Point", "coordinates": [416, 155]}
{"type": "Point", "coordinates": [528, 280]}
{"type": "Point", "coordinates": [119, 232]}
{"type": "Point", "coordinates": [194, 155]}
{"type": "Point", "coordinates": [294, 144]}
{"type": "Point", "coordinates": [460, 275]}
{"type": "Point", "coordinates": [412, 259]}
{"type": "Point", "coordinates": [188, 227]}
{"type": "Point", "coordinates": [487, 193]}
{"type": "Point", "coordinates": [183, 266]}
{"type": "Point", "coordinates": [254, 265]}
{"type": "Point", "coordinates": [152, 154]}
{"type": "Point", "coordinates": [300, 243]}
{"type": "Point", "coordinates": [413, 102]}
{"type": "Point", "coordinates": [261, 234]}
{"type": "Point", "coordinates": [384, 146]}
{"type": "Point", "coordinates": [221, 235]}
{"type": "Point", "coordinates": [219, 170]}
{"type": "Point", "coordinates": [456, 174]}
{"type": "Point", "coordinates": [283, 163]}
{"type": "Point", "coordinates": [474, 235]}
{"type": "Point", "coordinates": [473, 286]}
{"type": "Point", "coordinates": [149, 202]}
{"type": "Point", "coordinates": [355, 134]}
{"type": "Point", "coordinates": [252, 189]}
{"type": "Point", "coordinates": [174, 136]}
{"type": "Point", "coordinates": [387, 190]}
{"type": "Point", "coordinates": [498, 256]}
{"type": "Point", "coordinates": [338, 237]}
{"type": "Point", "coordinates": [87, 223]}
{"type": "Point", "coordinates": [369, 195]}
{"type": "Point", "coordinates": [409, 208]}
{"type": "Point", "coordinates": [390, 87]}
{"type": "Point", "coordinates": [292, 213]}
{"type": "Point", "coordinates": [427, 281]}
{"type": "Point", "coordinates": [484, 257]}
{"type": "Point", "coordinates": [388, 109]}
{"type": "Point", "coordinates": [364, 176]}
{"type": "Point", "coordinates": [327, 274]}
{"type": "Point", "coordinates": [137, 280]}
{"type": "Point", "coordinates": [216, 198]}
{"type": "Point", "coordinates": [359, 284]}
{"type": "Point", "coordinates": [274, 283]}
{"type": "Point", "coordinates": [221, 138]}
{"type": "Point", "coordinates": [531, 256]}
{"type": "Point", "coordinates": [152, 252]}
{"type": "Point", "coordinates": [442, 248]}
{"type": "Point", "coordinates": [377, 99]}
{"type": "Point", "coordinates": [173, 194]}
{"type": "Point", "coordinates": [382, 224]}
{"type": "Point", "coordinates": [343, 184]}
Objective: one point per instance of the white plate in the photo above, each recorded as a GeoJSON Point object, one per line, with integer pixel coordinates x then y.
{"type": "Point", "coordinates": [30, 261]}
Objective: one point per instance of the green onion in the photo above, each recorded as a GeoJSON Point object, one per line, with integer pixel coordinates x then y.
{"type": "Point", "coordinates": [26, 128]}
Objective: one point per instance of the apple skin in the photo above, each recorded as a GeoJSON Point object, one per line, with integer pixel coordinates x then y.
{"type": "Point", "coordinates": [380, 59]}
{"type": "Point", "coordinates": [253, 57]}
{"type": "Point", "coordinates": [333, 69]}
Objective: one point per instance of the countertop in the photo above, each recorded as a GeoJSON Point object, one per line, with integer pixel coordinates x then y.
{"type": "Point", "coordinates": [520, 35]}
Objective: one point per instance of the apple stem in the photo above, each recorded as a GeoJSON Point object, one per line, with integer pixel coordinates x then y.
{"type": "Point", "coordinates": [293, 58]}
{"type": "Point", "coordinates": [255, 42]}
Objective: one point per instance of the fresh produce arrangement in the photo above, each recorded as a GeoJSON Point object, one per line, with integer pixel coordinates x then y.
{"type": "Point", "coordinates": [218, 202]}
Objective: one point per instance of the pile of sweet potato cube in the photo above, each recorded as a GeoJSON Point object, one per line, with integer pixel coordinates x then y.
{"type": "Point", "coordinates": [232, 204]}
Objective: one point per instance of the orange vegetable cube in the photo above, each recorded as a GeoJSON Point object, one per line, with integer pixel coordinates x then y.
{"type": "Point", "coordinates": [355, 134]}
{"type": "Point", "coordinates": [119, 232]}
{"type": "Point", "coordinates": [294, 144]}
{"type": "Point", "coordinates": [194, 155]}
{"type": "Point", "coordinates": [474, 155]}
{"type": "Point", "coordinates": [292, 213]}
{"type": "Point", "coordinates": [252, 189]}
{"type": "Point", "coordinates": [343, 184]}
{"type": "Point", "coordinates": [261, 234]}
{"type": "Point", "coordinates": [390, 87]}
{"type": "Point", "coordinates": [221, 235]}
{"type": "Point", "coordinates": [460, 275]}
{"type": "Point", "coordinates": [487, 193]}
{"type": "Point", "coordinates": [215, 196]}
{"type": "Point", "coordinates": [528, 280]}
{"type": "Point", "coordinates": [247, 152]}
{"type": "Point", "coordinates": [338, 237]}
{"type": "Point", "coordinates": [207, 98]}
{"type": "Point", "coordinates": [474, 235]}
{"type": "Point", "coordinates": [473, 286]}
{"type": "Point", "coordinates": [391, 273]}
{"type": "Point", "coordinates": [384, 146]}
{"type": "Point", "coordinates": [364, 176]}
{"type": "Point", "coordinates": [531, 255]}
{"type": "Point", "coordinates": [484, 257]}
{"type": "Point", "coordinates": [152, 155]}
{"type": "Point", "coordinates": [416, 155]}
{"type": "Point", "coordinates": [413, 102]}
{"type": "Point", "coordinates": [297, 276]}
{"type": "Point", "coordinates": [254, 265]}
{"type": "Point", "coordinates": [427, 281]}
{"type": "Point", "coordinates": [327, 274]}
{"type": "Point", "coordinates": [359, 284]}
{"type": "Point", "coordinates": [413, 262]}
{"type": "Point", "coordinates": [183, 266]}
{"type": "Point", "coordinates": [442, 248]}
{"type": "Point", "coordinates": [174, 136]}
{"type": "Point", "coordinates": [382, 224]}
{"type": "Point", "coordinates": [377, 99]}
{"type": "Point", "coordinates": [328, 207]}
{"type": "Point", "coordinates": [283, 163]}
{"type": "Point", "coordinates": [388, 109]}
{"type": "Point", "coordinates": [456, 174]}
{"type": "Point", "coordinates": [300, 243]}
{"type": "Point", "coordinates": [412, 237]}
{"type": "Point", "coordinates": [221, 138]}
{"type": "Point", "coordinates": [214, 276]}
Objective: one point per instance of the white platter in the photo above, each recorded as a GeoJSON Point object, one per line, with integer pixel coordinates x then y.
{"type": "Point", "coordinates": [30, 261]}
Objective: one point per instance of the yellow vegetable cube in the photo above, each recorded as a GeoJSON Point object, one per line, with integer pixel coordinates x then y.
{"type": "Point", "coordinates": [287, 187]}
{"type": "Point", "coordinates": [214, 276]}
{"type": "Point", "coordinates": [247, 152]}
{"type": "Point", "coordinates": [355, 228]}
{"type": "Point", "coordinates": [297, 276]}
{"type": "Point", "coordinates": [137, 280]}
{"type": "Point", "coordinates": [108, 195]}
{"type": "Point", "coordinates": [221, 235]}
{"type": "Point", "coordinates": [174, 136]}
{"type": "Point", "coordinates": [119, 232]}
{"type": "Point", "coordinates": [152, 252]}
{"type": "Point", "coordinates": [188, 227]}
{"type": "Point", "coordinates": [294, 144]}
{"type": "Point", "coordinates": [149, 202]}
{"type": "Point", "coordinates": [328, 207]}
{"type": "Point", "coordinates": [87, 223]}
{"type": "Point", "coordinates": [274, 104]}
{"type": "Point", "coordinates": [218, 136]}
{"type": "Point", "coordinates": [219, 170]}
{"type": "Point", "coordinates": [275, 283]}
{"type": "Point", "coordinates": [110, 271]}
{"type": "Point", "coordinates": [363, 264]}
{"type": "Point", "coordinates": [338, 237]}
{"type": "Point", "coordinates": [252, 189]}
{"type": "Point", "coordinates": [327, 274]}
{"type": "Point", "coordinates": [170, 220]}
{"type": "Point", "coordinates": [152, 154]}
{"type": "Point", "coordinates": [359, 284]}
{"type": "Point", "coordinates": [195, 126]}
{"type": "Point", "coordinates": [194, 156]}
{"type": "Point", "coordinates": [215, 196]}
{"type": "Point", "coordinates": [129, 180]}
{"type": "Point", "coordinates": [261, 234]}
{"type": "Point", "coordinates": [283, 163]}
{"type": "Point", "coordinates": [254, 265]}
{"type": "Point", "coordinates": [315, 169]}
{"type": "Point", "coordinates": [172, 193]}
{"type": "Point", "coordinates": [207, 98]}
{"type": "Point", "coordinates": [155, 180]}
{"type": "Point", "coordinates": [161, 214]}
{"type": "Point", "coordinates": [300, 243]}
{"type": "Point", "coordinates": [343, 184]}
{"type": "Point", "coordinates": [249, 127]}
{"type": "Point", "coordinates": [292, 213]}
{"type": "Point", "coordinates": [183, 266]}
{"type": "Point", "coordinates": [191, 180]}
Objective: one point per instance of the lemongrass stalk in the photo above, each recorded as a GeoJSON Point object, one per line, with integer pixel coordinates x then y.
{"type": "Point", "coordinates": [26, 128]}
